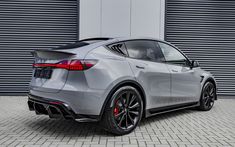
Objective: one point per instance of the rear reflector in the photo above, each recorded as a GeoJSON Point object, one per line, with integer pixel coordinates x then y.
{"type": "Point", "coordinates": [69, 64]}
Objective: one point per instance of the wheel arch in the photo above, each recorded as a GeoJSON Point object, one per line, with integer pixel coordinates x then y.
{"type": "Point", "coordinates": [132, 83]}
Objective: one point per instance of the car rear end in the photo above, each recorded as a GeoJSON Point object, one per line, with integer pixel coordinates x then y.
{"type": "Point", "coordinates": [74, 82]}
{"type": "Point", "coordinates": [58, 81]}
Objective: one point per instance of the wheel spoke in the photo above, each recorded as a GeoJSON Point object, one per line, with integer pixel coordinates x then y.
{"type": "Point", "coordinates": [132, 99]}
{"type": "Point", "coordinates": [121, 120]}
{"type": "Point", "coordinates": [208, 89]}
{"type": "Point", "coordinates": [119, 114]}
{"type": "Point", "coordinates": [134, 112]}
{"type": "Point", "coordinates": [211, 93]}
{"type": "Point", "coordinates": [132, 120]}
{"type": "Point", "coordinates": [134, 106]}
{"type": "Point", "coordinates": [209, 104]}
{"type": "Point", "coordinates": [207, 100]}
{"type": "Point", "coordinates": [122, 101]}
{"type": "Point", "coordinates": [126, 121]}
{"type": "Point", "coordinates": [127, 98]}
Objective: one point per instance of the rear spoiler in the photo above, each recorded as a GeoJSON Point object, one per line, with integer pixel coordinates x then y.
{"type": "Point", "coordinates": [52, 54]}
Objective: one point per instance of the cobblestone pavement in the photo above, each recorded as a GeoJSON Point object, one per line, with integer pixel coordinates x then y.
{"type": "Point", "coordinates": [20, 127]}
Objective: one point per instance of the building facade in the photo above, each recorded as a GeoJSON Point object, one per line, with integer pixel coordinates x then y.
{"type": "Point", "coordinates": [204, 30]}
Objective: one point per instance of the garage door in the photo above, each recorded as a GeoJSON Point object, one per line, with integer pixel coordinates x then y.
{"type": "Point", "coordinates": [205, 31]}
{"type": "Point", "coordinates": [26, 25]}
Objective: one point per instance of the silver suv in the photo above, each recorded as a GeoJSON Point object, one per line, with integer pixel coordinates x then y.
{"type": "Point", "coordinates": [117, 81]}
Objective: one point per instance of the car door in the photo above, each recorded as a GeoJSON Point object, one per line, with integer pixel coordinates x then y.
{"type": "Point", "coordinates": [185, 82]}
{"type": "Point", "coordinates": [146, 63]}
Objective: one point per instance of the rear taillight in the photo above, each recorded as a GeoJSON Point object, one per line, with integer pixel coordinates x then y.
{"type": "Point", "coordinates": [69, 64]}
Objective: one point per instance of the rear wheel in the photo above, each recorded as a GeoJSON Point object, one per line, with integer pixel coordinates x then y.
{"type": "Point", "coordinates": [124, 111]}
{"type": "Point", "coordinates": [208, 96]}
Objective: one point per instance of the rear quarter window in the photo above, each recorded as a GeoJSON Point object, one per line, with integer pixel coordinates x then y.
{"type": "Point", "coordinates": [118, 48]}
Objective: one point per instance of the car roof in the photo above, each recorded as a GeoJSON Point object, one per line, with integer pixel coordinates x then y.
{"type": "Point", "coordinates": [137, 38]}
{"type": "Point", "coordinates": [120, 39]}
{"type": "Point", "coordinates": [103, 41]}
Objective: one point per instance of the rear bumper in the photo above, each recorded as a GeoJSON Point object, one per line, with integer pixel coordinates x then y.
{"type": "Point", "coordinates": [56, 109]}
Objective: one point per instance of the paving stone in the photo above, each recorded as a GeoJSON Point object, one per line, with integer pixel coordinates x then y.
{"type": "Point", "coordinates": [185, 128]}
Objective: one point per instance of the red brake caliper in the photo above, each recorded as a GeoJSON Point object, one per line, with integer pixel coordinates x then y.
{"type": "Point", "coordinates": [116, 110]}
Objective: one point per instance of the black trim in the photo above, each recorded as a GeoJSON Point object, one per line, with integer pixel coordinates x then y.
{"type": "Point", "coordinates": [109, 47]}
{"type": "Point", "coordinates": [76, 44]}
{"type": "Point", "coordinates": [98, 38]}
{"type": "Point", "coordinates": [171, 107]}
{"type": "Point", "coordinates": [46, 105]}
{"type": "Point", "coordinates": [63, 111]}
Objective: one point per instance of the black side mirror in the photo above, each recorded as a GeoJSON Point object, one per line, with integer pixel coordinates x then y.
{"type": "Point", "coordinates": [194, 64]}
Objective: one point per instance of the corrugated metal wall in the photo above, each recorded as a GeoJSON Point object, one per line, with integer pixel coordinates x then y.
{"type": "Point", "coordinates": [205, 31]}
{"type": "Point", "coordinates": [26, 25]}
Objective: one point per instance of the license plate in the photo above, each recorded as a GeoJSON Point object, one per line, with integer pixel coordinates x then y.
{"type": "Point", "coordinates": [43, 73]}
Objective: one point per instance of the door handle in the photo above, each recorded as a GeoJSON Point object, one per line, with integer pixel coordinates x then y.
{"type": "Point", "coordinates": [173, 70]}
{"type": "Point", "coordinates": [140, 67]}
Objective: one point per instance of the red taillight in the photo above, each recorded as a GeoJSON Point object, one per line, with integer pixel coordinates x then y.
{"type": "Point", "coordinates": [56, 103]}
{"type": "Point", "coordinates": [69, 64]}
{"type": "Point", "coordinates": [76, 65]}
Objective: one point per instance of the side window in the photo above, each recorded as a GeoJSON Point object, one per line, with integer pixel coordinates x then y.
{"type": "Point", "coordinates": [118, 48]}
{"type": "Point", "coordinates": [172, 55]}
{"type": "Point", "coordinates": [143, 49]}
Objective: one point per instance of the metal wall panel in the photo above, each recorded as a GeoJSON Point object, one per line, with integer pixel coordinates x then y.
{"type": "Point", "coordinates": [205, 31]}
{"type": "Point", "coordinates": [26, 25]}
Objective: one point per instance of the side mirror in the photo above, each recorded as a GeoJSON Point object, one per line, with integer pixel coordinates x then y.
{"type": "Point", "coordinates": [194, 64]}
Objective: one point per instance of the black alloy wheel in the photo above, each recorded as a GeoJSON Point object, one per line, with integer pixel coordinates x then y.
{"type": "Point", "coordinates": [208, 96]}
{"type": "Point", "coordinates": [124, 111]}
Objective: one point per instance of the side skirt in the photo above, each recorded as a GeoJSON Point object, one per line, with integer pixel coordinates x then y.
{"type": "Point", "coordinates": [160, 110]}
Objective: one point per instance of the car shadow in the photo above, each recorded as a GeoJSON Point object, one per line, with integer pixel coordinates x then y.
{"type": "Point", "coordinates": [71, 128]}
{"type": "Point", "coordinates": [45, 126]}
{"type": "Point", "coordinates": [167, 115]}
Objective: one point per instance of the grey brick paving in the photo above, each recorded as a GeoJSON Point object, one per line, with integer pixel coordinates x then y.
{"type": "Point", "coordinates": [192, 128]}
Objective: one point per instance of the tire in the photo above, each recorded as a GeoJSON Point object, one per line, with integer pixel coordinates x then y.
{"type": "Point", "coordinates": [123, 112]}
{"type": "Point", "coordinates": [207, 96]}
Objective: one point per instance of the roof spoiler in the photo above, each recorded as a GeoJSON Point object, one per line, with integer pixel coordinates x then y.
{"type": "Point", "coordinates": [97, 38]}
{"type": "Point", "coordinates": [52, 54]}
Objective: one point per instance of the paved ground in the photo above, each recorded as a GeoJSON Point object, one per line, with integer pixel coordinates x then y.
{"type": "Point", "coordinates": [20, 127]}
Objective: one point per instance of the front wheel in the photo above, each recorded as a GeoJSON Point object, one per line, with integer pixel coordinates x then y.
{"type": "Point", "coordinates": [124, 111]}
{"type": "Point", "coordinates": [207, 97]}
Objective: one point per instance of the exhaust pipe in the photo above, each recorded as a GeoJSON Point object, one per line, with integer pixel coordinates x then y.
{"type": "Point", "coordinates": [54, 112]}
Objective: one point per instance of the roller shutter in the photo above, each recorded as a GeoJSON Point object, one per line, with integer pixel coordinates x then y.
{"type": "Point", "coordinates": [26, 25]}
{"type": "Point", "coordinates": [205, 31]}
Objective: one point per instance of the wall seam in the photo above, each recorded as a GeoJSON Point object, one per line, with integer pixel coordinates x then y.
{"type": "Point", "coordinates": [101, 17]}
{"type": "Point", "coordinates": [130, 16]}
{"type": "Point", "coordinates": [78, 19]}
{"type": "Point", "coordinates": [165, 19]}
